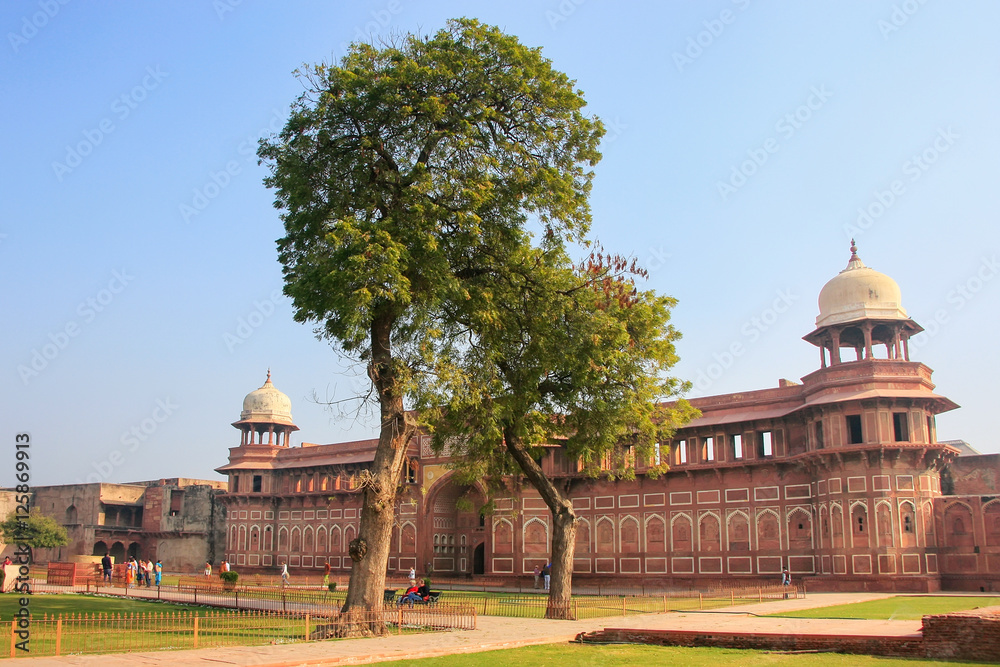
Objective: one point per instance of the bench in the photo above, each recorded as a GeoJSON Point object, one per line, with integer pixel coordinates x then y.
{"type": "Point", "coordinates": [432, 598]}
{"type": "Point", "coordinates": [388, 595]}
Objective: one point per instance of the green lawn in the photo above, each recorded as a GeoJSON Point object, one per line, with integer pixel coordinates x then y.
{"type": "Point", "coordinates": [575, 655]}
{"type": "Point", "coordinates": [78, 604]}
{"type": "Point", "coordinates": [900, 608]}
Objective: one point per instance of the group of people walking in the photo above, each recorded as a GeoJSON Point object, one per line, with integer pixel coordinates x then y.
{"type": "Point", "coordinates": [138, 572]}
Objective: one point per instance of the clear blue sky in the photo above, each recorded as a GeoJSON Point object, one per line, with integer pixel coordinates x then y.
{"type": "Point", "coordinates": [120, 115]}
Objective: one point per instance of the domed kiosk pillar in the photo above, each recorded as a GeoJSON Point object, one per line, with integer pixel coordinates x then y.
{"type": "Point", "coordinates": [861, 308]}
{"type": "Point", "coordinates": [266, 411]}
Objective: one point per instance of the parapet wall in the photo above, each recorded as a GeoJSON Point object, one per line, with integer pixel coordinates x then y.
{"type": "Point", "coordinates": [971, 635]}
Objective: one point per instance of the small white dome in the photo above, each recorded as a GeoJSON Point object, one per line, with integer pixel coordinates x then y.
{"type": "Point", "coordinates": [859, 293]}
{"type": "Point", "coordinates": [267, 404]}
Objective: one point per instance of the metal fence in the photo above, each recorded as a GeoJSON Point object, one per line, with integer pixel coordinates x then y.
{"type": "Point", "coordinates": [78, 634]}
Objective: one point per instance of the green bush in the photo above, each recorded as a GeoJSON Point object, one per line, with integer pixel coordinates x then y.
{"type": "Point", "coordinates": [230, 577]}
{"type": "Point", "coordinates": [332, 586]}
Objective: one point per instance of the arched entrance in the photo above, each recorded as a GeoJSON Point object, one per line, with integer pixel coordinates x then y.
{"type": "Point", "coordinates": [455, 526]}
{"type": "Point", "coordinates": [479, 559]}
{"type": "Point", "coordinates": [118, 552]}
{"type": "Point", "coordinates": [100, 548]}
{"type": "Point", "coordinates": [134, 550]}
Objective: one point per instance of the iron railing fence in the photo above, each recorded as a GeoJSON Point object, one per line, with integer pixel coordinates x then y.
{"type": "Point", "coordinates": [79, 634]}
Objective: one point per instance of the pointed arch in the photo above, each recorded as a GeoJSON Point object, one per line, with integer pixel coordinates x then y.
{"type": "Point", "coordinates": [583, 536]}
{"type": "Point", "coordinates": [503, 536]}
{"type": "Point", "coordinates": [656, 534]}
{"type": "Point", "coordinates": [836, 526]}
{"type": "Point", "coordinates": [296, 540]}
{"type": "Point", "coordinates": [336, 540]}
{"type": "Point", "coordinates": [680, 532]}
{"type": "Point", "coordinates": [604, 531]}
{"type": "Point", "coordinates": [798, 529]}
{"type": "Point", "coordinates": [283, 539]}
{"type": "Point", "coordinates": [268, 538]}
{"type": "Point", "coordinates": [535, 536]}
{"type": "Point", "coordinates": [242, 538]}
{"type": "Point", "coordinates": [738, 531]}
{"type": "Point", "coordinates": [321, 540]}
{"type": "Point", "coordinates": [628, 535]}
{"type": "Point", "coordinates": [991, 522]}
{"type": "Point", "coordinates": [883, 524]}
{"type": "Point", "coordinates": [768, 530]}
{"type": "Point", "coordinates": [860, 525]}
{"type": "Point", "coordinates": [907, 524]}
{"type": "Point", "coordinates": [254, 538]}
{"type": "Point", "coordinates": [408, 538]}
{"type": "Point", "coordinates": [709, 532]}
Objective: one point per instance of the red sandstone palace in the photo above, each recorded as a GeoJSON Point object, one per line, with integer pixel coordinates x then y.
{"type": "Point", "coordinates": [840, 479]}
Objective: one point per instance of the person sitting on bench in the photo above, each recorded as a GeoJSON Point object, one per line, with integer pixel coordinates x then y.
{"type": "Point", "coordinates": [411, 595]}
{"type": "Point", "coordinates": [424, 591]}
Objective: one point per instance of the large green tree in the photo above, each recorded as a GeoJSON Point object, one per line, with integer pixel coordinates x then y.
{"type": "Point", "coordinates": [394, 168]}
{"type": "Point", "coordinates": [543, 354]}
{"type": "Point", "coordinates": [37, 530]}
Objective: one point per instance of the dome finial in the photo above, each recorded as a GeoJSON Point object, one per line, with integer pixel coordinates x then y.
{"type": "Point", "coordinates": [269, 368]}
{"type": "Point", "coordinates": [854, 262]}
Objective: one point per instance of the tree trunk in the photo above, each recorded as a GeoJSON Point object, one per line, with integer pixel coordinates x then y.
{"type": "Point", "coordinates": [370, 549]}
{"type": "Point", "coordinates": [563, 528]}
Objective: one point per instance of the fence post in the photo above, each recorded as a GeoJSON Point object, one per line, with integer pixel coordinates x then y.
{"type": "Point", "coordinates": [307, 627]}
{"type": "Point", "coordinates": [732, 598]}
{"type": "Point", "coordinates": [623, 606]}
{"type": "Point", "coordinates": [399, 622]}
{"type": "Point", "coordinates": [13, 630]}
{"type": "Point", "coordinates": [196, 631]}
{"type": "Point", "coordinates": [59, 635]}
{"type": "Point", "coordinates": [701, 603]}
{"type": "Point", "coordinates": [760, 595]}
{"type": "Point", "coordinates": [196, 595]}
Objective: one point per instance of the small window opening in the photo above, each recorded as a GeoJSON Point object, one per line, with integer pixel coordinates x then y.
{"type": "Point", "coordinates": [854, 435]}
{"type": "Point", "coordinates": [765, 446]}
{"type": "Point", "coordinates": [900, 427]}
{"type": "Point", "coordinates": [258, 483]}
{"type": "Point", "coordinates": [819, 435]}
{"type": "Point", "coordinates": [737, 446]}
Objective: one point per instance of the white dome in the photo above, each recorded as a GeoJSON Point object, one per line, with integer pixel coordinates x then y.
{"type": "Point", "coordinates": [859, 293]}
{"type": "Point", "coordinates": [267, 404]}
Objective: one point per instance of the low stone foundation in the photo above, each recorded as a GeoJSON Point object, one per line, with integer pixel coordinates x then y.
{"type": "Point", "coordinates": [971, 635]}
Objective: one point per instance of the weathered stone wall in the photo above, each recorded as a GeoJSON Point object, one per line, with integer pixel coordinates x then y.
{"type": "Point", "coordinates": [971, 635]}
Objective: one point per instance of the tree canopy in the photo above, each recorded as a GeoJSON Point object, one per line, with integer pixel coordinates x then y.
{"type": "Point", "coordinates": [394, 169]}
{"type": "Point", "coordinates": [37, 530]}
{"type": "Point", "coordinates": [542, 354]}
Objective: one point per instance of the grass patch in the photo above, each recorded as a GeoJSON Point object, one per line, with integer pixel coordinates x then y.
{"type": "Point", "coordinates": [42, 603]}
{"type": "Point", "coordinates": [574, 655]}
{"type": "Point", "coordinates": [899, 608]}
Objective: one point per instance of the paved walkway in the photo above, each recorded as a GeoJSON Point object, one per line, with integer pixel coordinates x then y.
{"type": "Point", "coordinates": [496, 633]}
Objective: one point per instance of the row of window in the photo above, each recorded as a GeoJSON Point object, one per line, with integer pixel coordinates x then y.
{"type": "Point", "coordinates": [683, 451]}
{"type": "Point", "coordinates": [310, 484]}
